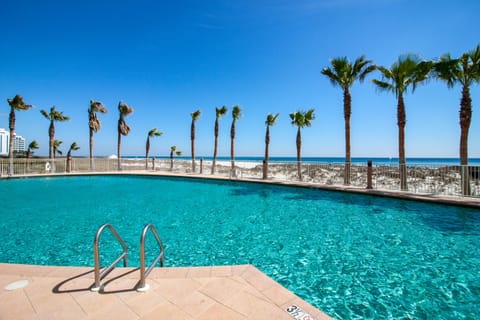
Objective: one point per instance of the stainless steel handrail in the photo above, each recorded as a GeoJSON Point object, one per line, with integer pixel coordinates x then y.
{"type": "Point", "coordinates": [99, 275]}
{"type": "Point", "coordinates": [144, 273]}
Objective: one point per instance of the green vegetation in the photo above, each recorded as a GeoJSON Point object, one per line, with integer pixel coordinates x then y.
{"type": "Point", "coordinates": [219, 112]}
{"type": "Point", "coordinates": [301, 120]}
{"type": "Point", "coordinates": [195, 115]}
{"type": "Point", "coordinates": [94, 124]}
{"type": "Point", "coordinates": [344, 74]}
{"type": "Point", "coordinates": [151, 134]}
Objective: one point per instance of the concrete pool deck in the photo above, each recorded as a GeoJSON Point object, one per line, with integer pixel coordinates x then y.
{"type": "Point", "coordinates": [225, 292]}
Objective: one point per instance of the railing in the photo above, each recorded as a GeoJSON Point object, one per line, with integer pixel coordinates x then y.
{"type": "Point", "coordinates": [434, 180]}
{"type": "Point", "coordinates": [99, 275]}
{"type": "Point", "coordinates": [143, 286]}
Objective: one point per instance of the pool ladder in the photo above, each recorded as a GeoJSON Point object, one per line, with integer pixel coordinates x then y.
{"type": "Point", "coordinates": [99, 275]}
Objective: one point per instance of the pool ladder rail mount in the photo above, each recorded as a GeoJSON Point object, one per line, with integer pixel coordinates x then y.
{"type": "Point", "coordinates": [100, 274]}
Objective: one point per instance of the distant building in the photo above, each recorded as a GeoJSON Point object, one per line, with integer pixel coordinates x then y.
{"type": "Point", "coordinates": [4, 140]}
{"type": "Point", "coordinates": [18, 142]}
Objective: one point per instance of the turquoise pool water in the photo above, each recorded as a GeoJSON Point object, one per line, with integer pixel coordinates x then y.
{"type": "Point", "coordinates": [352, 256]}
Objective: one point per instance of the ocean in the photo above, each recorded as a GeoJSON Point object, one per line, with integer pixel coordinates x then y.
{"type": "Point", "coordinates": [355, 160]}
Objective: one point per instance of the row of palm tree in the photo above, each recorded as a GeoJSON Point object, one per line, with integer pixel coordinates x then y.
{"type": "Point", "coordinates": [405, 74]}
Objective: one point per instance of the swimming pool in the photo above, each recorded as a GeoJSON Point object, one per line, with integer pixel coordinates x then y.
{"type": "Point", "coordinates": [352, 256]}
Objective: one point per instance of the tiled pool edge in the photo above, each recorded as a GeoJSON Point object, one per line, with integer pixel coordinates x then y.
{"type": "Point", "coordinates": [236, 292]}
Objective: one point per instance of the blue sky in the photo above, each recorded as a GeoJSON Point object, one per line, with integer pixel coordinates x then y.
{"type": "Point", "coordinates": [169, 58]}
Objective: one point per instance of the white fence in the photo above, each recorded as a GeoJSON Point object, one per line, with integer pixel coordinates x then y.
{"type": "Point", "coordinates": [435, 180]}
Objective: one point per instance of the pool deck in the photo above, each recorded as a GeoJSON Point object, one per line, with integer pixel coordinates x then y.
{"type": "Point", "coordinates": [225, 292]}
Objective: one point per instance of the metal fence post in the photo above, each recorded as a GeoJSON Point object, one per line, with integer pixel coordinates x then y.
{"type": "Point", "coordinates": [369, 174]}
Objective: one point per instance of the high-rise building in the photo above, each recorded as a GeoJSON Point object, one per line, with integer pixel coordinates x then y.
{"type": "Point", "coordinates": [4, 140]}
{"type": "Point", "coordinates": [18, 142]}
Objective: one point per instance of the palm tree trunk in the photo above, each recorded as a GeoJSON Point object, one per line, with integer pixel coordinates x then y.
{"type": "Point", "coordinates": [401, 121]}
{"type": "Point", "coordinates": [147, 149]}
{"type": "Point", "coordinates": [51, 133]}
{"type": "Point", "coordinates": [119, 141]}
{"type": "Point", "coordinates": [171, 160]}
{"type": "Point", "coordinates": [265, 161]}
{"type": "Point", "coordinates": [192, 144]}
{"type": "Point", "coordinates": [10, 141]}
{"type": "Point", "coordinates": [92, 168]}
{"type": "Point", "coordinates": [232, 148]}
{"type": "Point", "coordinates": [215, 146]}
{"type": "Point", "coordinates": [28, 159]}
{"type": "Point", "coordinates": [347, 111]}
{"type": "Point", "coordinates": [299, 145]}
{"type": "Point", "coordinates": [465, 120]}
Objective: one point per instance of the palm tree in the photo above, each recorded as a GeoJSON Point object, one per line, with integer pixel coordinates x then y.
{"type": "Point", "coordinates": [94, 125]}
{"type": "Point", "coordinates": [53, 116]}
{"type": "Point", "coordinates": [408, 71]}
{"type": "Point", "coordinates": [218, 113]}
{"type": "Point", "coordinates": [465, 71]}
{"type": "Point", "coordinates": [73, 147]}
{"type": "Point", "coordinates": [173, 150]}
{"type": "Point", "coordinates": [151, 134]}
{"type": "Point", "coordinates": [123, 129]}
{"type": "Point", "coordinates": [301, 120]}
{"type": "Point", "coordinates": [344, 74]}
{"type": "Point", "coordinates": [31, 146]}
{"type": "Point", "coordinates": [268, 123]}
{"type": "Point", "coordinates": [195, 115]}
{"type": "Point", "coordinates": [15, 104]}
{"type": "Point", "coordinates": [56, 146]}
{"type": "Point", "coordinates": [236, 113]}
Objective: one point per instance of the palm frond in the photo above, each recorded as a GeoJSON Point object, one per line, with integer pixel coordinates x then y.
{"type": "Point", "coordinates": [45, 114]}
{"type": "Point", "coordinates": [236, 112]}
{"type": "Point", "coordinates": [383, 85]}
{"type": "Point", "coordinates": [344, 74]}
{"type": "Point", "coordinates": [448, 69]}
{"type": "Point", "coordinates": [334, 80]}
{"type": "Point", "coordinates": [123, 127]}
{"type": "Point", "coordinates": [154, 133]}
{"type": "Point", "coordinates": [195, 115]}
{"type": "Point", "coordinates": [33, 145]}
{"type": "Point", "coordinates": [94, 123]}
{"type": "Point", "coordinates": [56, 145]}
{"type": "Point", "coordinates": [124, 109]}
{"type": "Point", "coordinates": [73, 146]}
{"type": "Point", "coordinates": [220, 111]}
{"type": "Point", "coordinates": [17, 103]}
{"type": "Point", "coordinates": [270, 121]}
{"type": "Point", "coordinates": [97, 106]}
{"type": "Point", "coordinates": [302, 119]}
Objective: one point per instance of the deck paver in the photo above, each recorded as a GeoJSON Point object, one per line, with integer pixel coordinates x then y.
{"type": "Point", "coordinates": [229, 292]}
